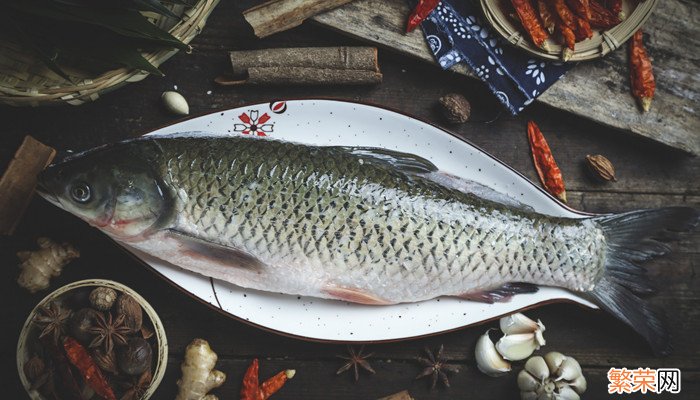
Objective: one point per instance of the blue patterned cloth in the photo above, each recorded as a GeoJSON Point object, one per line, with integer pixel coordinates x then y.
{"type": "Point", "coordinates": [456, 32]}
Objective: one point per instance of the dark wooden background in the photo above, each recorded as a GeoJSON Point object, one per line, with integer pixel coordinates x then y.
{"type": "Point", "coordinates": [648, 176]}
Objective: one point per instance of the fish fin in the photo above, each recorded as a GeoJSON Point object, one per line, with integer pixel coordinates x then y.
{"type": "Point", "coordinates": [220, 254]}
{"type": "Point", "coordinates": [354, 295]}
{"type": "Point", "coordinates": [404, 162]}
{"type": "Point", "coordinates": [501, 294]}
{"type": "Point", "coordinates": [475, 188]}
{"type": "Point", "coordinates": [633, 237]}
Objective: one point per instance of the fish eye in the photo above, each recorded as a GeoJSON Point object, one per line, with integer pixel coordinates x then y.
{"type": "Point", "coordinates": [80, 192]}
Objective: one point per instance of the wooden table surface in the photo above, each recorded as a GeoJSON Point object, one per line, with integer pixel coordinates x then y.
{"type": "Point", "coordinates": [648, 176]}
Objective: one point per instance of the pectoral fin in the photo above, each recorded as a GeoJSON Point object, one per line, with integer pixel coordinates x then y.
{"type": "Point", "coordinates": [214, 252]}
{"type": "Point", "coordinates": [501, 294]}
{"type": "Point", "coordinates": [354, 295]}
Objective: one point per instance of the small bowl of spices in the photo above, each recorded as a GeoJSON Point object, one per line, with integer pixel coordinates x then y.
{"type": "Point", "coordinates": [92, 339]}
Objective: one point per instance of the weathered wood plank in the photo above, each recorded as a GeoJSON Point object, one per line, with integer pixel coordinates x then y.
{"type": "Point", "coordinates": [598, 90]}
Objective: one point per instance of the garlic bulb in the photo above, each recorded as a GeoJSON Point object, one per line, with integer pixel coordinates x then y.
{"type": "Point", "coordinates": [487, 358]}
{"type": "Point", "coordinates": [175, 103]}
{"type": "Point", "coordinates": [552, 377]}
{"type": "Point", "coordinates": [519, 323]}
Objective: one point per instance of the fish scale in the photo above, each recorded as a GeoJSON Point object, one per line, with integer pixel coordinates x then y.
{"type": "Point", "coordinates": [348, 221]}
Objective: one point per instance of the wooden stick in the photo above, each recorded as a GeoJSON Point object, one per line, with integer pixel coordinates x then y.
{"type": "Point", "coordinates": [19, 180]}
{"type": "Point", "coordinates": [304, 66]}
{"type": "Point", "coordinates": [398, 396]}
{"type": "Point", "coordinates": [280, 15]}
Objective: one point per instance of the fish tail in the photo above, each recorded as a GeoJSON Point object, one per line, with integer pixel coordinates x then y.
{"type": "Point", "coordinates": [632, 238]}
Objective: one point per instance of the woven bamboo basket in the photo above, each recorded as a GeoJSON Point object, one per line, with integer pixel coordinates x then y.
{"type": "Point", "coordinates": [25, 81]}
{"type": "Point", "coordinates": [602, 42]}
{"type": "Point", "coordinates": [29, 330]}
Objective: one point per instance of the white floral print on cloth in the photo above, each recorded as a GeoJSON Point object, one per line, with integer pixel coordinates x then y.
{"type": "Point", "coordinates": [456, 34]}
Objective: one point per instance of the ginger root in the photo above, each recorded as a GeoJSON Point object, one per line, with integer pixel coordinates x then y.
{"type": "Point", "coordinates": [198, 373]}
{"type": "Point", "coordinates": [39, 266]}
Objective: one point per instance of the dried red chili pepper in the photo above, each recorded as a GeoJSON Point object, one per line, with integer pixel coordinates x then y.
{"type": "Point", "coordinates": [528, 18]}
{"type": "Point", "coordinates": [546, 15]}
{"type": "Point", "coordinates": [272, 385]}
{"type": "Point", "coordinates": [583, 29]}
{"type": "Point", "coordinates": [420, 13]}
{"type": "Point", "coordinates": [615, 6]}
{"type": "Point", "coordinates": [546, 167]}
{"type": "Point", "coordinates": [601, 17]}
{"type": "Point", "coordinates": [566, 16]}
{"type": "Point", "coordinates": [641, 72]}
{"type": "Point", "coordinates": [581, 8]}
{"type": "Point", "coordinates": [91, 373]}
{"type": "Point", "coordinates": [250, 389]}
{"type": "Point", "coordinates": [68, 385]}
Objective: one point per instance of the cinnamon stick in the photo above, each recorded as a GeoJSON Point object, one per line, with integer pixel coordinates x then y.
{"type": "Point", "coordinates": [305, 66]}
{"type": "Point", "coordinates": [19, 180]}
{"type": "Point", "coordinates": [279, 15]}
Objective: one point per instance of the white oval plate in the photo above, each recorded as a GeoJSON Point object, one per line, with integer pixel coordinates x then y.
{"type": "Point", "coordinates": [333, 122]}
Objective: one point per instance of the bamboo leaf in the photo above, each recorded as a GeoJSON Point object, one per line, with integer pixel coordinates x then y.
{"type": "Point", "coordinates": [153, 5]}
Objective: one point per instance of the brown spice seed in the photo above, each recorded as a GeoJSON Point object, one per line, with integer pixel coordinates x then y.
{"type": "Point", "coordinates": [601, 167]}
{"type": "Point", "coordinates": [455, 108]}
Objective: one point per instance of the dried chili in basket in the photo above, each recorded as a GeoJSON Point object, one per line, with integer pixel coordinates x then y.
{"type": "Point", "coordinates": [583, 29]}
{"type": "Point", "coordinates": [581, 8]}
{"type": "Point", "coordinates": [531, 23]}
{"type": "Point", "coordinates": [615, 6]}
{"type": "Point", "coordinates": [601, 17]}
{"type": "Point", "coordinates": [546, 15]}
{"type": "Point", "coordinates": [420, 13]}
{"type": "Point", "coordinates": [641, 73]}
{"type": "Point", "coordinates": [91, 373]}
{"type": "Point", "coordinates": [546, 167]}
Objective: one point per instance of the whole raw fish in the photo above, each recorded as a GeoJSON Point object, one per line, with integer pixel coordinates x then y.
{"type": "Point", "coordinates": [359, 224]}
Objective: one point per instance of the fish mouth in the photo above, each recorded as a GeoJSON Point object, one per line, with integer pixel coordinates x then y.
{"type": "Point", "coordinates": [43, 190]}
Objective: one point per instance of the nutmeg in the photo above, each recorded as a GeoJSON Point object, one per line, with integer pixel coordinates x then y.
{"type": "Point", "coordinates": [455, 108]}
{"type": "Point", "coordinates": [80, 324]}
{"type": "Point", "coordinates": [600, 167]}
{"type": "Point", "coordinates": [131, 310]}
{"type": "Point", "coordinates": [102, 298]}
{"type": "Point", "coordinates": [135, 357]}
{"type": "Point", "coordinates": [34, 368]}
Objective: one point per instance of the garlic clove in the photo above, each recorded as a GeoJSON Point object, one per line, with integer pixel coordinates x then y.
{"type": "Point", "coordinates": [554, 360]}
{"type": "Point", "coordinates": [539, 338]}
{"type": "Point", "coordinates": [537, 367]}
{"type": "Point", "coordinates": [566, 393]}
{"type": "Point", "coordinates": [487, 358]}
{"type": "Point", "coordinates": [579, 384]}
{"type": "Point", "coordinates": [527, 382]}
{"type": "Point", "coordinates": [568, 370]}
{"type": "Point", "coordinates": [517, 347]}
{"type": "Point", "coordinates": [175, 103]}
{"type": "Point", "coordinates": [546, 396]}
{"type": "Point", "coordinates": [528, 396]}
{"type": "Point", "coordinates": [519, 323]}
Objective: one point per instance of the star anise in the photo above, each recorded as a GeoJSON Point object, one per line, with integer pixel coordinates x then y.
{"type": "Point", "coordinates": [136, 388]}
{"type": "Point", "coordinates": [109, 331]}
{"type": "Point", "coordinates": [52, 319]}
{"type": "Point", "coordinates": [356, 360]}
{"type": "Point", "coordinates": [435, 367]}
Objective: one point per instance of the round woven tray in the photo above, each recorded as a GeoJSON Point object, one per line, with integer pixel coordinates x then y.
{"type": "Point", "coordinates": [24, 345]}
{"type": "Point", "coordinates": [600, 44]}
{"type": "Point", "coordinates": [26, 81]}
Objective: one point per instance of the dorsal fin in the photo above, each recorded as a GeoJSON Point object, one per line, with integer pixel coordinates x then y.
{"type": "Point", "coordinates": [404, 162]}
{"type": "Point", "coordinates": [474, 188]}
